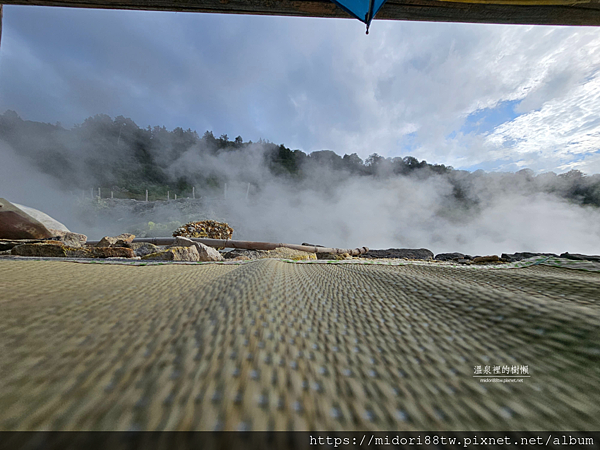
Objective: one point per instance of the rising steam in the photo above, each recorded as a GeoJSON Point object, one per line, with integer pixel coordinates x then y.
{"type": "Point", "coordinates": [322, 204]}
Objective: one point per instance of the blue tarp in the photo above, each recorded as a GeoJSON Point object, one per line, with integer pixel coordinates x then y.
{"type": "Point", "coordinates": [363, 10]}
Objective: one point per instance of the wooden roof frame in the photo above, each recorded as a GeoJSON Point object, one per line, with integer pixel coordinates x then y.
{"type": "Point", "coordinates": [533, 12]}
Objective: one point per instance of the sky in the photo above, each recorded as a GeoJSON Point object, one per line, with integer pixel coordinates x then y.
{"type": "Point", "coordinates": [472, 96]}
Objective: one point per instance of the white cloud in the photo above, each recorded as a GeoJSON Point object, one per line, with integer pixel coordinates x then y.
{"type": "Point", "coordinates": [311, 83]}
{"type": "Point", "coordinates": [566, 127]}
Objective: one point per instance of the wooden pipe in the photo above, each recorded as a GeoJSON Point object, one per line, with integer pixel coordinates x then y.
{"type": "Point", "coordinates": [250, 245]}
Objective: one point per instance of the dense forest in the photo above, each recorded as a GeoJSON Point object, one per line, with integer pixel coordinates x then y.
{"type": "Point", "coordinates": [120, 156]}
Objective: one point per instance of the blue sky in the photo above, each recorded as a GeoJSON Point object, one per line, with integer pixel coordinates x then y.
{"type": "Point", "coordinates": [470, 96]}
{"type": "Point", "coordinates": [486, 120]}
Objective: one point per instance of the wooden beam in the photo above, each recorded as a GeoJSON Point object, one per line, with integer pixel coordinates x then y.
{"type": "Point", "coordinates": [489, 12]}
{"type": "Point", "coordinates": [534, 12]}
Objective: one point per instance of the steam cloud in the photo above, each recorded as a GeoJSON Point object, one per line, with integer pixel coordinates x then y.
{"type": "Point", "coordinates": [333, 207]}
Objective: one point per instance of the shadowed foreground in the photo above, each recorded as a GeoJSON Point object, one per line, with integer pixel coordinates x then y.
{"type": "Point", "coordinates": [278, 345]}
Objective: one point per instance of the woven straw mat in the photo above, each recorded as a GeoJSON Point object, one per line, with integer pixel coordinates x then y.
{"type": "Point", "coordinates": [275, 345]}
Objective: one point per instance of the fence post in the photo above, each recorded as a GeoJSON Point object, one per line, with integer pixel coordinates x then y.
{"type": "Point", "coordinates": [146, 194]}
{"type": "Point", "coordinates": [193, 192]}
{"type": "Point", "coordinates": [168, 195]}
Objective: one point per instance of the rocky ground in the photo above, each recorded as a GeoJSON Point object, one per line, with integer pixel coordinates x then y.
{"type": "Point", "coordinates": [75, 245]}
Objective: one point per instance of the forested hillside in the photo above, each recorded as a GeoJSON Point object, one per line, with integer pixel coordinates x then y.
{"type": "Point", "coordinates": [117, 154]}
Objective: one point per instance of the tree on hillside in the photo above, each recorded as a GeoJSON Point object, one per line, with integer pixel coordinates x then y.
{"type": "Point", "coordinates": [353, 163]}
{"type": "Point", "coordinates": [209, 142]}
{"type": "Point", "coordinates": [373, 163]}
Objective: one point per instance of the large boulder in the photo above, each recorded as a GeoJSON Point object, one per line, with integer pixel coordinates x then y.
{"type": "Point", "coordinates": [205, 253]}
{"type": "Point", "coordinates": [175, 254]}
{"type": "Point", "coordinates": [122, 240]}
{"type": "Point", "coordinates": [280, 252]}
{"type": "Point", "coordinates": [111, 252]}
{"type": "Point", "coordinates": [243, 254]}
{"type": "Point", "coordinates": [17, 224]}
{"type": "Point", "coordinates": [208, 253]}
{"type": "Point", "coordinates": [399, 253]}
{"type": "Point", "coordinates": [42, 217]}
{"type": "Point", "coordinates": [70, 239]}
{"type": "Point", "coordinates": [144, 248]}
{"type": "Point", "coordinates": [486, 259]}
{"type": "Point", "coordinates": [52, 249]}
{"type": "Point", "coordinates": [449, 256]}
{"type": "Point", "coordinates": [514, 257]}
{"type": "Point", "coordinates": [580, 257]}
{"type": "Point", "coordinates": [8, 244]}
{"type": "Point", "coordinates": [56, 249]}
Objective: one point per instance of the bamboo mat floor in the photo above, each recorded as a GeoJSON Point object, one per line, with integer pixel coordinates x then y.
{"type": "Point", "coordinates": [275, 345]}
